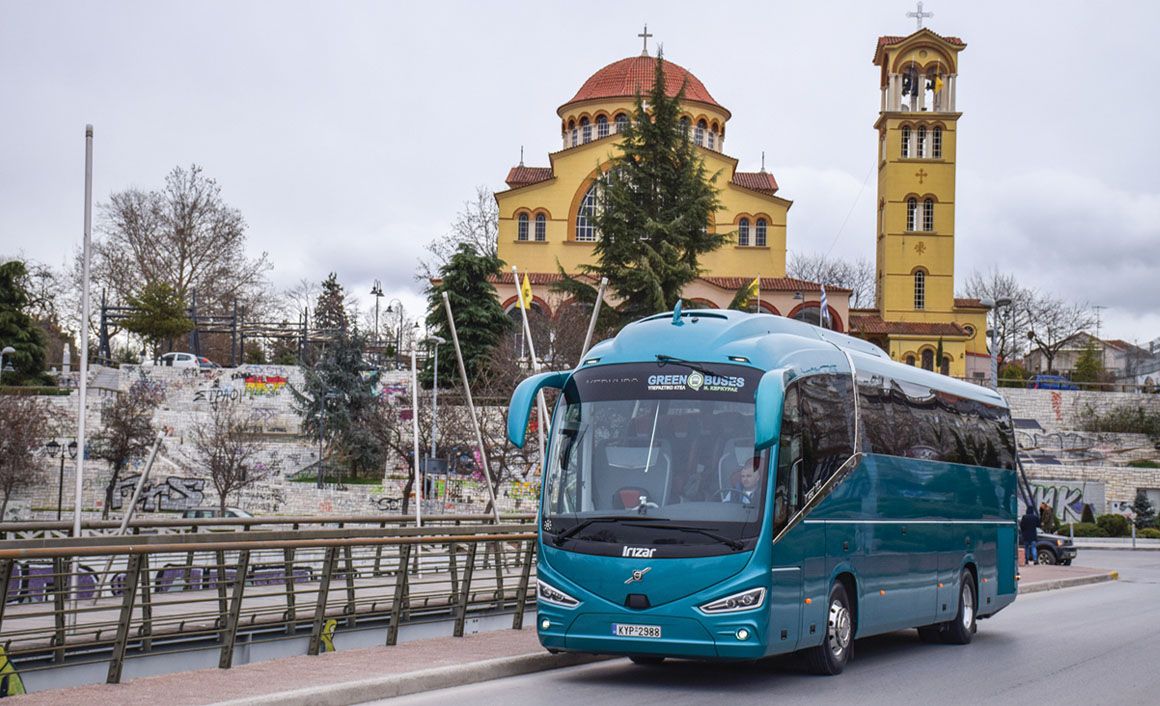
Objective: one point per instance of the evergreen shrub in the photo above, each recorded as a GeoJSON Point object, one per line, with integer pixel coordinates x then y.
{"type": "Point", "coordinates": [1114, 525]}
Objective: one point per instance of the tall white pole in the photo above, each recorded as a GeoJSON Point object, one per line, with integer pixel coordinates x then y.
{"type": "Point", "coordinates": [541, 406]}
{"type": "Point", "coordinates": [84, 342]}
{"type": "Point", "coordinates": [415, 432]}
{"type": "Point", "coordinates": [471, 408]}
{"type": "Point", "coordinates": [592, 321]}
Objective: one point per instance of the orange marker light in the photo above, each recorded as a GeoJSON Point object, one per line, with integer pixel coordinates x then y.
{"type": "Point", "coordinates": [881, 593]}
{"type": "Point", "coordinates": [940, 584]}
{"type": "Point", "coordinates": [809, 601]}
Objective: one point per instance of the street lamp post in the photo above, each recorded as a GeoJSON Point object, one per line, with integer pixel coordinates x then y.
{"type": "Point", "coordinates": [54, 448]}
{"type": "Point", "coordinates": [377, 293]}
{"type": "Point", "coordinates": [7, 350]}
{"type": "Point", "coordinates": [993, 333]}
{"type": "Point", "coordinates": [396, 307]}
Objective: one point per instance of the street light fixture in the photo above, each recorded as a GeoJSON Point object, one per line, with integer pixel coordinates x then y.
{"type": "Point", "coordinates": [8, 350]}
{"type": "Point", "coordinates": [53, 448]}
{"type": "Point", "coordinates": [993, 332]}
{"type": "Point", "coordinates": [377, 293]}
{"type": "Point", "coordinates": [396, 307]}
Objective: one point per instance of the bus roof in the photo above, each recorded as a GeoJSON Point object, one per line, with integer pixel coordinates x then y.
{"type": "Point", "coordinates": [764, 341]}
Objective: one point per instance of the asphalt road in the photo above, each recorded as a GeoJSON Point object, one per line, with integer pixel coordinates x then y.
{"type": "Point", "coordinates": [1091, 645]}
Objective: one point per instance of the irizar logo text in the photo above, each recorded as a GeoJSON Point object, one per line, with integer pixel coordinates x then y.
{"type": "Point", "coordinates": [639, 552]}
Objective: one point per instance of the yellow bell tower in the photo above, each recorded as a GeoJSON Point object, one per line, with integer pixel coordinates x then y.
{"type": "Point", "coordinates": [917, 318]}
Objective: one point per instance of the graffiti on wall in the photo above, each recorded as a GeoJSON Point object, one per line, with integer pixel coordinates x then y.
{"type": "Point", "coordinates": [1067, 498]}
{"type": "Point", "coordinates": [171, 494]}
{"type": "Point", "coordinates": [264, 385]}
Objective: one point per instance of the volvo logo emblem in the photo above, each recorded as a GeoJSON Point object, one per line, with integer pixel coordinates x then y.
{"type": "Point", "coordinates": [638, 575]}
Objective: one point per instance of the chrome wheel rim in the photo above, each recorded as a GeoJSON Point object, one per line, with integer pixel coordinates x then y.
{"type": "Point", "coordinates": [968, 599]}
{"type": "Point", "coordinates": [838, 631]}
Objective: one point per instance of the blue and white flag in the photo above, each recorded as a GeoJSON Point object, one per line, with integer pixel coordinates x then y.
{"type": "Point", "coordinates": [824, 314]}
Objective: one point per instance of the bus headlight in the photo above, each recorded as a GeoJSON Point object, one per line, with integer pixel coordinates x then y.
{"type": "Point", "coordinates": [553, 595]}
{"type": "Point", "coordinates": [746, 600]}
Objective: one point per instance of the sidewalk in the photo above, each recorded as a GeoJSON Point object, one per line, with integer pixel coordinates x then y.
{"type": "Point", "coordinates": [345, 677]}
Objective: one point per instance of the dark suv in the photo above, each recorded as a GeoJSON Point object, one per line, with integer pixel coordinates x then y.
{"type": "Point", "coordinates": [1054, 549]}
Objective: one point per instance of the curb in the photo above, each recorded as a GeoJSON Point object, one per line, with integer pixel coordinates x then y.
{"type": "Point", "coordinates": [1051, 585]}
{"type": "Point", "coordinates": [390, 686]}
{"type": "Point", "coordinates": [1119, 548]}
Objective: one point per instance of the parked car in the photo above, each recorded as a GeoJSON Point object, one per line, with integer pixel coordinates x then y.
{"type": "Point", "coordinates": [1054, 549]}
{"type": "Point", "coordinates": [203, 362]}
{"type": "Point", "coordinates": [179, 360]}
{"type": "Point", "coordinates": [211, 512]}
{"type": "Point", "coordinates": [1051, 382]}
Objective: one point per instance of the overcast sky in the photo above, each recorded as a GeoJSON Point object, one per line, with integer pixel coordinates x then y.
{"type": "Point", "coordinates": [350, 133]}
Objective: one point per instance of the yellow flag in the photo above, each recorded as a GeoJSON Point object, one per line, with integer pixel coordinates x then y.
{"type": "Point", "coordinates": [526, 292]}
{"type": "Point", "coordinates": [938, 84]}
{"type": "Point", "coordinates": [10, 682]}
{"type": "Point", "coordinates": [754, 288]}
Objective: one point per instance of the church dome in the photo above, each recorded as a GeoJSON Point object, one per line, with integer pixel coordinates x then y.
{"type": "Point", "coordinates": [624, 78]}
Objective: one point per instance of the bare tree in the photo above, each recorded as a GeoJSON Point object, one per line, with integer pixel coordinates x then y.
{"type": "Point", "coordinates": [1053, 322]}
{"type": "Point", "coordinates": [1011, 322]}
{"type": "Point", "coordinates": [23, 420]}
{"type": "Point", "coordinates": [225, 448]}
{"type": "Point", "coordinates": [126, 433]}
{"type": "Point", "coordinates": [477, 224]}
{"type": "Point", "coordinates": [857, 276]}
{"type": "Point", "coordinates": [183, 235]}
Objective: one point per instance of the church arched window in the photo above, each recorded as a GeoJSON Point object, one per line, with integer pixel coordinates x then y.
{"type": "Point", "coordinates": [541, 227]}
{"type": "Point", "coordinates": [621, 122]}
{"type": "Point", "coordinates": [910, 360]}
{"type": "Point", "coordinates": [585, 130]}
{"type": "Point", "coordinates": [920, 295]}
{"type": "Point", "coordinates": [928, 215]}
{"type": "Point", "coordinates": [905, 141]}
{"type": "Point", "coordinates": [586, 217]}
{"type": "Point", "coordinates": [911, 209]}
{"type": "Point", "coordinates": [601, 126]}
{"type": "Point", "coordinates": [699, 133]}
{"type": "Point", "coordinates": [522, 227]}
{"type": "Point", "coordinates": [743, 232]}
{"type": "Point", "coordinates": [759, 237]}
{"type": "Point", "coordinates": [936, 142]}
{"type": "Point", "coordinates": [575, 133]}
{"type": "Point", "coordinates": [922, 141]}
{"type": "Point", "coordinates": [928, 359]}
{"type": "Point", "coordinates": [945, 366]}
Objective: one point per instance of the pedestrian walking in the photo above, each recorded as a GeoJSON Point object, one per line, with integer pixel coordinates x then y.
{"type": "Point", "coordinates": [1047, 520]}
{"type": "Point", "coordinates": [1028, 533]}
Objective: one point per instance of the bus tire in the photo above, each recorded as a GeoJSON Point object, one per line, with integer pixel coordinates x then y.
{"type": "Point", "coordinates": [646, 660]}
{"type": "Point", "coordinates": [960, 630]}
{"type": "Point", "coordinates": [830, 657]}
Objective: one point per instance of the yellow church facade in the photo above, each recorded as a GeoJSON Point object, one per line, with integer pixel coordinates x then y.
{"type": "Point", "coordinates": [917, 314]}
{"type": "Point", "coordinates": [545, 213]}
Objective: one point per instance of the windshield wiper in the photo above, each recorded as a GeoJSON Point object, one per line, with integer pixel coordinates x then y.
{"type": "Point", "coordinates": [560, 538]}
{"type": "Point", "coordinates": [662, 359]}
{"type": "Point", "coordinates": [731, 543]}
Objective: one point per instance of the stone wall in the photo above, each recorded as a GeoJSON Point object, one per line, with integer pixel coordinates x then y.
{"type": "Point", "coordinates": [1062, 410]}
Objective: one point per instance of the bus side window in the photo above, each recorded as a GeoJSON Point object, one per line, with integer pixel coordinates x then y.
{"type": "Point", "coordinates": [787, 500]}
{"type": "Point", "coordinates": [826, 429]}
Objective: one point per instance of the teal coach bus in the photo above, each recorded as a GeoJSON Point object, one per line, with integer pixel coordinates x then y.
{"type": "Point", "coordinates": [722, 485]}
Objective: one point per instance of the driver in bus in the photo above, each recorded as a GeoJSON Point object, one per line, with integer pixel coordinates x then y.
{"type": "Point", "coordinates": [748, 485]}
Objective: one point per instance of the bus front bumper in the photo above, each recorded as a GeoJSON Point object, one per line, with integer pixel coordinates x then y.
{"type": "Point", "coordinates": [737, 636]}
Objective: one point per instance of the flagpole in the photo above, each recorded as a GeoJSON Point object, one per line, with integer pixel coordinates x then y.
{"type": "Point", "coordinates": [758, 295]}
{"type": "Point", "coordinates": [541, 406]}
{"type": "Point", "coordinates": [592, 321]}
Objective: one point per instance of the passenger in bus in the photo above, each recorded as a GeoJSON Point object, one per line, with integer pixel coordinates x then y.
{"type": "Point", "coordinates": [747, 487]}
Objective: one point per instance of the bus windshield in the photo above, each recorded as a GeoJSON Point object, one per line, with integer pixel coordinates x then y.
{"type": "Point", "coordinates": [658, 455]}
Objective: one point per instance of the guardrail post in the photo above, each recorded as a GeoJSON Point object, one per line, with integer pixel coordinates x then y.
{"type": "Point", "coordinates": [402, 581]}
{"type": "Point", "coordinates": [464, 596]}
{"type": "Point", "coordinates": [6, 567]}
{"type": "Point", "coordinates": [146, 630]}
{"type": "Point", "coordinates": [132, 576]}
{"type": "Point", "coordinates": [320, 605]}
{"type": "Point", "coordinates": [349, 609]}
{"type": "Point", "coordinates": [379, 554]}
{"type": "Point", "coordinates": [231, 632]}
{"type": "Point", "coordinates": [453, 567]}
{"type": "Point", "coordinates": [223, 598]}
{"type": "Point", "coordinates": [522, 593]}
{"type": "Point", "coordinates": [60, 586]}
{"type": "Point", "coordinates": [291, 599]}
{"type": "Point", "coordinates": [499, 567]}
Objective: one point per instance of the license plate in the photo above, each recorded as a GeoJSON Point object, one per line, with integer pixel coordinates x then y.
{"type": "Point", "coordinates": [649, 631]}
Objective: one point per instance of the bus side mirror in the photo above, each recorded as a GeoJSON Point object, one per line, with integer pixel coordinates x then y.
{"type": "Point", "coordinates": [522, 399]}
{"type": "Point", "coordinates": [767, 409]}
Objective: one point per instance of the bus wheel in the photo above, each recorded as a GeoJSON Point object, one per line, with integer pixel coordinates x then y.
{"type": "Point", "coordinates": [960, 630]}
{"type": "Point", "coordinates": [646, 660]}
{"type": "Point", "coordinates": [831, 656]}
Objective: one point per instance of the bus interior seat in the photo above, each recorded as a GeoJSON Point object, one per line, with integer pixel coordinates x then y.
{"type": "Point", "coordinates": [625, 470]}
{"type": "Point", "coordinates": [735, 452]}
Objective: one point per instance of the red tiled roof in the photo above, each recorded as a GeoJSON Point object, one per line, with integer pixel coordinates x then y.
{"type": "Point", "coordinates": [871, 324]}
{"type": "Point", "coordinates": [627, 77]}
{"type": "Point", "coordinates": [522, 176]}
{"type": "Point", "coordinates": [536, 277]}
{"type": "Point", "coordinates": [890, 39]}
{"type": "Point", "coordinates": [969, 303]}
{"type": "Point", "coordinates": [771, 284]}
{"type": "Point", "coordinates": [757, 181]}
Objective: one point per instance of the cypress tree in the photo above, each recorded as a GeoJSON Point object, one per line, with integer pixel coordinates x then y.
{"type": "Point", "coordinates": [479, 318]}
{"type": "Point", "coordinates": [654, 207]}
{"type": "Point", "coordinates": [330, 311]}
{"type": "Point", "coordinates": [17, 329]}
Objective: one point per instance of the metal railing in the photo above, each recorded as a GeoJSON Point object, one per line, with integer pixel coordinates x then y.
{"type": "Point", "coordinates": [107, 599]}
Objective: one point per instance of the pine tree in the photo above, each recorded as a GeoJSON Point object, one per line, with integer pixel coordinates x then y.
{"type": "Point", "coordinates": [479, 319]}
{"type": "Point", "coordinates": [158, 315]}
{"type": "Point", "coordinates": [17, 329]}
{"type": "Point", "coordinates": [330, 310]}
{"type": "Point", "coordinates": [654, 206]}
{"type": "Point", "coordinates": [1089, 367]}
{"type": "Point", "coordinates": [1144, 510]}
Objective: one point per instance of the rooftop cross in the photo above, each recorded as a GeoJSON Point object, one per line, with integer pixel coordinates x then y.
{"type": "Point", "coordinates": [645, 35]}
{"type": "Point", "coordinates": [918, 15]}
